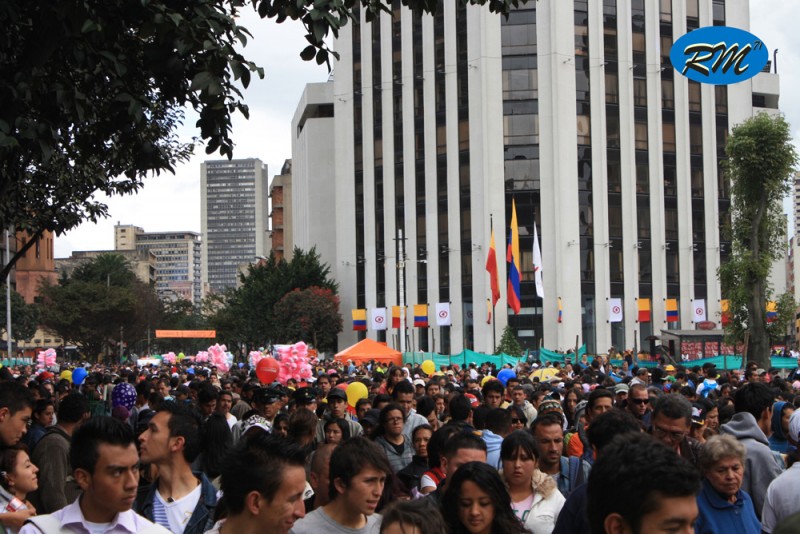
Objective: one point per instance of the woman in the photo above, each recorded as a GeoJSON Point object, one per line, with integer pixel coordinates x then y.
{"type": "Point", "coordinates": [18, 478]}
{"type": "Point", "coordinates": [518, 419]}
{"type": "Point", "coordinates": [394, 376]}
{"type": "Point", "coordinates": [435, 475]}
{"type": "Point", "coordinates": [43, 416]}
{"type": "Point", "coordinates": [420, 516]}
{"type": "Point", "coordinates": [778, 441]}
{"type": "Point", "coordinates": [216, 439]}
{"type": "Point", "coordinates": [280, 425]}
{"type": "Point", "coordinates": [571, 400]}
{"type": "Point", "coordinates": [389, 435]}
{"type": "Point", "coordinates": [336, 430]}
{"type": "Point", "coordinates": [476, 502]}
{"type": "Point", "coordinates": [722, 504]}
{"type": "Point", "coordinates": [535, 498]}
{"type": "Point", "coordinates": [411, 474]}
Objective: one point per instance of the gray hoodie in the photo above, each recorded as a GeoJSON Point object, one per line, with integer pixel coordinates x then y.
{"type": "Point", "coordinates": [760, 467]}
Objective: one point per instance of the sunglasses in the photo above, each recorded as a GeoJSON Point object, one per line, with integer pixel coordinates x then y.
{"type": "Point", "coordinates": [639, 401]}
{"type": "Point", "coordinates": [518, 421]}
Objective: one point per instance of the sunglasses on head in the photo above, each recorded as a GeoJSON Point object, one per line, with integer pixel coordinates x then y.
{"type": "Point", "coordinates": [639, 401]}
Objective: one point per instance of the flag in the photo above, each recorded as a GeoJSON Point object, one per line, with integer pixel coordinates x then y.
{"type": "Point", "coordinates": [644, 310]}
{"type": "Point", "coordinates": [725, 306]}
{"type": "Point", "coordinates": [537, 263]}
{"type": "Point", "coordinates": [359, 319]}
{"type": "Point", "coordinates": [491, 268]}
{"type": "Point", "coordinates": [421, 315]}
{"type": "Point", "coordinates": [378, 319]}
{"type": "Point", "coordinates": [443, 314]}
{"type": "Point", "coordinates": [672, 310]}
{"type": "Point", "coordinates": [772, 312]}
{"type": "Point", "coordinates": [395, 316]}
{"type": "Point", "coordinates": [488, 311]}
{"type": "Point", "coordinates": [699, 310]}
{"type": "Point", "coordinates": [560, 310]}
{"type": "Point", "coordinates": [512, 257]}
{"type": "Point", "coordinates": [614, 310]}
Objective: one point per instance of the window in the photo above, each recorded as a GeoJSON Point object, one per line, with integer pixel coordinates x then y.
{"type": "Point", "coordinates": [641, 135]}
{"type": "Point", "coordinates": [584, 130]}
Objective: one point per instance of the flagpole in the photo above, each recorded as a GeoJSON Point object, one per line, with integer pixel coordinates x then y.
{"type": "Point", "coordinates": [494, 311]}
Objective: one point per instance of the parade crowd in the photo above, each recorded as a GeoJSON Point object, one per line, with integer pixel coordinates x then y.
{"type": "Point", "coordinates": [582, 447]}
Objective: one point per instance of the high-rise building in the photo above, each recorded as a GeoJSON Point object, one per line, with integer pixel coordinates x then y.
{"type": "Point", "coordinates": [280, 215]}
{"type": "Point", "coordinates": [572, 112]}
{"type": "Point", "coordinates": [235, 218]}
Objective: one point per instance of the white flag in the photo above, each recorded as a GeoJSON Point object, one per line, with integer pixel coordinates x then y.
{"type": "Point", "coordinates": [378, 319]}
{"type": "Point", "coordinates": [443, 314]}
{"type": "Point", "coordinates": [537, 263]}
{"type": "Point", "coordinates": [614, 310]}
{"type": "Point", "coordinates": [699, 310]}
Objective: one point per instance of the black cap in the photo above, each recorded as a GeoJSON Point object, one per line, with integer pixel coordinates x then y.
{"type": "Point", "coordinates": [267, 396]}
{"type": "Point", "coordinates": [337, 393]}
{"type": "Point", "coordinates": [372, 417]}
{"type": "Point", "coordinates": [305, 396]}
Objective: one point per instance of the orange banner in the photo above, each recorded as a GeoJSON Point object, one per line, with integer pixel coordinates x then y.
{"type": "Point", "coordinates": [187, 333]}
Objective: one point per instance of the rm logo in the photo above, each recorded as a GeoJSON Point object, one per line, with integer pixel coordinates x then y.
{"type": "Point", "coordinates": [719, 55]}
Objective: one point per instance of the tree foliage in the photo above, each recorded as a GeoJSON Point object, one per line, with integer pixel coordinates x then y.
{"type": "Point", "coordinates": [24, 316]}
{"type": "Point", "coordinates": [761, 160]}
{"type": "Point", "coordinates": [310, 315]}
{"type": "Point", "coordinates": [509, 344]}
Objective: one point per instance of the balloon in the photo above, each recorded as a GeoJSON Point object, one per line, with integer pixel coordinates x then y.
{"type": "Point", "coordinates": [428, 367]}
{"type": "Point", "coordinates": [505, 374]}
{"type": "Point", "coordinates": [124, 394]}
{"type": "Point", "coordinates": [343, 386]}
{"type": "Point", "coordinates": [355, 392]}
{"type": "Point", "coordinates": [267, 370]}
{"type": "Point", "coordinates": [181, 355]}
{"type": "Point", "coordinates": [78, 376]}
{"type": "Point", "coordinates": [66, 375]}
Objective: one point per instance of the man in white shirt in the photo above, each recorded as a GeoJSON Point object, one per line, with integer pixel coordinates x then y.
{"type": "Point", "coordinates": [106, 466]}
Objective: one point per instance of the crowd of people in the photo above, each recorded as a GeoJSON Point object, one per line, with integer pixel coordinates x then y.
{"type": "Point", "coordinates": [593, 448]}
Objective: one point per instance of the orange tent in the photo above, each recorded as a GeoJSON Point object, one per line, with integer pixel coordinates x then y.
{"type": "Point", "coordinates": [369, 349]}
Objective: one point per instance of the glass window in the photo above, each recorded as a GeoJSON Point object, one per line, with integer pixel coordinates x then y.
{"type": "Point", "coordinates": [584, 130]}
{"type": "Point", "coordinates": [669, 136]}
{"type": "Point", "coordinates": [694, 96]}
{"type": "Point", "coordinates": [641, 135]}
{"type": "Point", "coordinates": [639, 92]}
{"type": "Point", "coordinates": [667, 94]}
{"type": "Point", "coordinates": [612, 88]}
{"type": "Point", "coordinates": [696, 138]}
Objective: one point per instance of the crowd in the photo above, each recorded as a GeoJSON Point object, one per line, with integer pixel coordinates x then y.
{"type": "Point", "coordinates": [592, 448]}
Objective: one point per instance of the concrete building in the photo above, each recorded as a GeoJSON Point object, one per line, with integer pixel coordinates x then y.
{"type": "Point", "coordinates": [572, 110]}
{"type": "Point", "coordinates": [35, 267]}
{"type": "Point", "coordinates": [234, 217]}
{"type": "Point", "coordinates": [142, 262]}
{"type": "Point", "coordinates": [281, 220]}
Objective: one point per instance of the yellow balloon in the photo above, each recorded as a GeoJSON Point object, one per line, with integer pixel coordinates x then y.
{"type": "Point", "coordinates": [486, 379]}
{"type": "Point", "coordinates": [428, 367]}
{"type": "Point", "coordinates": [355, 392]}
{"type": "Point", "coordinates": [66, 375]}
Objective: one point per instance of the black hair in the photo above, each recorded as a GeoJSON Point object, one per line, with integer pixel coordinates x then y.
{"type": "Point", "coordinates": [546, 419]}
{"type": "Point", "coordinates": [519, 440]}
{"type": "Point", "coordinates": [514, 410]}
{"type": "Point", "coordinates": [437, 442]}
{"type": "Point", "coordinates": [8, 462]}
{"type": "Point", "coordinates": [15, 397]}
{"type": "Point", "coordinates": [459, 408]}
{"type": "Point", "coordinates": [674, 407]}
{"type": "Point", "coordinates": [207, 393]}
{"type": "Point", "coordinates": [421, 514]}
{"type": "Point", "coordinates": [216, 439]}
{"type": "Point", "coordinates": [599, 393]}
{"type": "Point", "coordinates": [642, 472]}
{"type": "Point", "coordinates": [405, 387]}
{"type": "Point", "coordinates": [479, 416]}
{"type": "Point", "coordinates": [380, 428]}
{"type": "Point", "coordinates": [41, 406]}
{"type": "Point", "coordinates": [493, 386]}
{"type": "Point", "coordinates": [753, 398]}
{"type": "Point", "coordinates": [362, 402]}
{"type": "Point", "coordinates": [498, 421]}
{"type": "Point", "coordinates": [462, 440]}
{"type": "Point", "coordinates": [257, 464]}
{"type": "Point", "coordinates": [73, 408]}
{"type": "Point", "coordinates": [607, 426]}
{"type": "Point", "coordinates": [341, 423]}
{"type": "Point", "coordinates": [350, 457]}
{"type": "Point", "coordinates": [425, 405]}
{"type": "Point", "coordinates": [183, 422]}
{"type": "Point", "coordinates": [99, 430]}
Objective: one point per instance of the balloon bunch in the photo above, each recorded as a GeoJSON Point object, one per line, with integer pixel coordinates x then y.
{"type": "Point", "coordinates": [201, 357]}
{"type": "Point", "coordinates": [294, 362]}
{"type": "Point", "coordinates": [255, 357]}
{"type": "Point", "coordinates": [219, 357]}
{"type": "Point", "coordinates": [169, 358]}
{"type": "Point", "coordinates": [46, 358]}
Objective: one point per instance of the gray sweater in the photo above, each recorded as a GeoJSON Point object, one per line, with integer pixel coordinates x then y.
{"type": "Point", "coordinates": [318, 521]}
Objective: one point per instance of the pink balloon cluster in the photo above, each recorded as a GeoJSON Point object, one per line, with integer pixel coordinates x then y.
{"type": "Point", "coordinates": [219, 357]}
{"type": "Point", "coordinates": [201, 357]}
{"type": "Point", "coordinates": [46, 358]}
{"type": "Point", "coordinates": [294, 362]}
{"type": "Point", "coordinates": [168, 358]}
{"type": "Point", "coordinates": [255, 357]}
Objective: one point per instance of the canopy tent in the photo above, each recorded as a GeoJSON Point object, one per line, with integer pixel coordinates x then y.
{"type": "Point", "coordinates": [369, 349]}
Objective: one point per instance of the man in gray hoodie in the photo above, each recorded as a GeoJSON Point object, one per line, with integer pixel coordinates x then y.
{"type": "Point", "coordinates": [751, 426]}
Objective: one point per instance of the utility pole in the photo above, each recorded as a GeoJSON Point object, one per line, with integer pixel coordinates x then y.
{"type": "Point", "coordinates": [401, 286]}
{"type": "Point", "coordinates": [9, 344]}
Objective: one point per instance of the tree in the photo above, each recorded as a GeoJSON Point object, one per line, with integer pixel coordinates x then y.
{"type": "Point", "coordinates": [509, 344]}
{"type": "Point", "coordinates": [93, 93]}
{"type": "Point", "coordinates": [310, 315]}
{"type": "Point", "coordinates": [761, 160]}
{"type": "Point", "coordinates": [24, 317]}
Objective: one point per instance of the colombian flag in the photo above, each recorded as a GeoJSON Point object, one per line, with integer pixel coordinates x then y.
{"type": "Point", "coordinates": [772, 312]}
{"type": "Point", "coordinates": [359, 319]}
{"type": "Point", "coordinates": [725, 304]}
{"type": "Point", "coordinates": [644, 310]}
{"type": "Point", "coordinates": [512, 257]}
{"type": "Point", "coordinates": [491, 268]}
{"type": "Point", "coordinates": [421, 315]}
{"type": "Point", "coordinates": [560, 309]}
{"type": "Point", "coordinates": [488, 311]}
{"type": "Point", "coordinates": [395, 316]}
{"type": "Point", "coordinates": [672, 310]}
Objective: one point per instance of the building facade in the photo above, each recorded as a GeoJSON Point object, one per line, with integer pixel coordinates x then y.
{"type": "Point", "coordinates": [234, 218]}
{"type": "Point", "coordinates": [280, 215]}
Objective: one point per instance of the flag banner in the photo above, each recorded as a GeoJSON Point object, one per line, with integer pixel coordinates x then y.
{"type": "Point", "coordinates": [772, 312]}
{"type": "Point", "coordinates": [421, 315]}
{"type": "Point", "coordinates": [560, 310]}
{"type": "Point", "coordinates": [614, 310]}
{"type": "Point", "coordinates": [488, 311]}
{"type": "Point", "coordinates": [537, 263]}
{"type": "Point", "coordinates": [725, 306]}
{"type": "Point", "coordinates": [644, 310]}
{"type": "Point", "coordinates": [512, 257]}
{"type": "Point", "coordinates": [359, 319]}
{"type": "Point", "coordinates": [443, 314]}
{"type": "Point", "coordinates": [396, 316]}
{"type": "Point", "coordinates": [672, 310]}
{"type": "Point", "coordinates": [699, 310]}
{"type": "Point", "coordinates": [378, 319]}
{"type": "Point", "coordinates": [491, 268]}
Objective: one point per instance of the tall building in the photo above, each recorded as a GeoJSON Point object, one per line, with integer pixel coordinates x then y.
{"type": "Point", "coordinates": [281, 227]}
{"type": "Point", "coordinates": [571, 111]}
{"type": "Point", "coordinates": [36, 266]}
{"type": "Point", "coordinates": [177, 259]}
{"type": "Point", "coordinates": [234, 217]}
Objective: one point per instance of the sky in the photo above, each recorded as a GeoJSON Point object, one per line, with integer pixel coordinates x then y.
{"type": "Point", "coordinates": [172, 202]}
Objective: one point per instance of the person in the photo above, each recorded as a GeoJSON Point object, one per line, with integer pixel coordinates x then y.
{"type": "Point", "coordinates": [389, 435]}
{"type": "Point", "coordinates": [498, 426]}
{"type": "Point", "coordinates": [535, 498]}
{"type": "Point", "coordinates": [722, 504]}
{"type": "Point", "coordinates": [751, 425]}
{"type": "Point", "coordinates": [16, 408]}
{"type": "Point", "coordinates": [224, 404]}
{"type": "Point", "coordinates": [411, 474]}
{"type": "Point", "coordinates": [568, 473]}
{"type": "Point", "coordinates": [672, 420]}
{"type": "Point", "coordinates": [492, 392]}
{"type": "Point", "coordinates": [302, 427]}
{"type": "Point", "coordinates": [43, 416]}
{"type": "Point", "coordinates": [477, 502]}
{"type": "Point", "coordinates": [459, 449]}
{"type": "Point", "coordinates": [570, 402]}
{"type": "Point", "coordinates": [17, 479]}
{"type": "Point", "coordinates": [216, 440]}
{"type": "Point", "coordinates": [263, 480]}
{"type": "Point", "coordinates": [179, 499]}
{"type": "Point", "coordinates": [106, 467]}
{"type": "Point", "coordinates": [600, 401]}
{"type": "Point", "coordinates": [435, 474]}
{"type": "Point", "coordinates": [519, 399]}
{"type": "Point", "coordinates": [419, 516]}
{"type": "Point", "coordinates": [51, 456]}
{"type": "Point", "coordinates": [336, 430]}
{"type": "Point", "coordinates": [358, 472]}
{"type": "Point", "coordinates": [518, 419]}
{"type": "Point", "coordinates": [779, 424]}
{"type": "Point", "coordinates": [781, 500]}
{"type": "Point", "coordinates": [280, 426]}
{"type": "Point", "coordinates": [337, 409]}
{"type": "Point", "coordinates": [653, 489]}
{"type": "Point", "coordinates": [638, 404]}
{"type": "Point", "coordinates": [319, 477]}
{"type": "Point", "coordinates": [403, 395]}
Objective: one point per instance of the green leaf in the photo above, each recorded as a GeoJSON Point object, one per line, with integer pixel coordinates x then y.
{"type": "Point", "coordinates": [201, 81]}
{"type": "Point", "coordinates": [308, 53]}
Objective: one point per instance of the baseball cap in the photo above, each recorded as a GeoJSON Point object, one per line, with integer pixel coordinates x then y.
{"type": "Point", "coordinates": [473, 400]}
{"type": "Point", "coordinates": [419, 382]}
{"type": "Point", "coordinates": [337, 393]}
{"type": "Point", "coordinates": [698, 415]}
{"type": "Point", "coordinates": [669, 368]}
{"type": "Point", "coordinates": [621, 388]}
{"type": "Point", "coordinates": [372, 417]}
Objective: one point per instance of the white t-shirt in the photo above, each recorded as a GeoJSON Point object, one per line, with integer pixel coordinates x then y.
{"type": "Point", "coordinates": [96, 528]}
{"type": "Point", "coordinates": [178, 512]}
{"type": "Point", "coordinates": [231, 420]}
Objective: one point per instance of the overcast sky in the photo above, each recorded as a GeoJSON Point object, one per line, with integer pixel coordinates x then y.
{"type": "Point", "coordinates": [172, 202]}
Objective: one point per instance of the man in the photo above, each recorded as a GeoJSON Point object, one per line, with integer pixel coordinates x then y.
{"type": "Point", "coordinates": [600, 401]}
{"type": "Point", "coordinates": [781, 500]}
{"type": "Point", "coordinates": [672, 420]}
{"type": "Point", "coordinates": [569, 473]}
{"type": "Point", "coordinates": [709, 384]}
{"type": "Point", "coordinates": [520, 399]}
{"type": "Point", "coordinates": [459, 449]}
{"type": "Point", "coordinates": [638, 485]}
{"type": "Point", "coordinates": [642, 377]}
{"type": "Point", "coordinates": [16, 408]}
{"type": "Point", "coordinates": [337, 409]}
{"type": "Point", "coordinates": [358, 471]}
{"type": "Point", "coordinates": [403, 394]}
{"type": "Point", "coordinates": [267, 403]}
{"type": "Point", "coordinates": [323, 386]}
{"type": "Point", "coordinates": [433, 388]}
{"type": "Point", "coordinates": [263, 480]}
{"type": "Point", "coordinates": [419, 387]}
{"type": "Point", "coordinates": [460, 410]}
{"type": "Point", "coordinates": [751, 425]}
{"type": "Point", "coordinates": [305, 398]}
{"type": "Point", "coordinates": [319, 476]}
{"type": "Point", "coordinates": [498, 426]}
{"type": "Point", "coordinates": [106, 467]}
{"type": "Point", "coordinates": [362, 407]}
{"type": "Point", "coordinates": [224, 404]}
{"type": "Point", "coordinates": [638, 405]}
{"type": "Point", "coordinates": [492, 392]}
{"type": "Point", "coordinates": [207, 396]}
{"type": "Point", "coordinates": [179, 500]}
{"type": "Point", "coordinates": [243, 405]}
{"type": "Point", "coordinates": [620, 395]}
{"type": "Point", "coordinates": [51, 456]}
